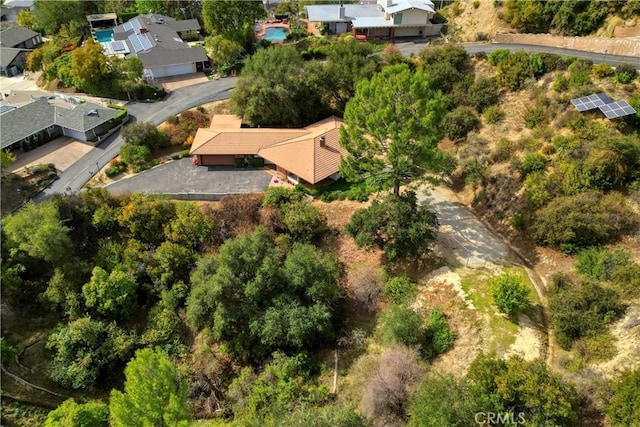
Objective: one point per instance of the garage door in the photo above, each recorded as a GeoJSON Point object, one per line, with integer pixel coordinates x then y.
{"type": "Point", "coordinates": [209, 160]}
{"type": "Point", "coordinates": [172, 70]}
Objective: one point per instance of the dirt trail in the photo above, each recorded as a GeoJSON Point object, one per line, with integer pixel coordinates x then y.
{"type": "Point", "coordinates": [474, 244]}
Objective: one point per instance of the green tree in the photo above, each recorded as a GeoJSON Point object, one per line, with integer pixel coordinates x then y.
{"type": "Point", "coordinates": [170, 263]}
{"type": "Point", "coordinates": [303, 221]}
{"type": "Point", "coordinates": [271, 90]}
{"type": "Point", "coordinates": [37, 230]}
{"type": "Point", "coordinates": [402, 325]}
{"type": "Point", "coordinates": [227, 17]}
{"type": "Point", "coordinates": [266, 398]}
{"type": "Point", "coordinates": [446, 66]}
{"type": "Point", "coordinates": [6, 159]}
{"type": "Point", "coordinates": [26, 19]}
{"type": "Point", "coordinates": [400, 290]}
{"type": "Point", "coordinates": [111, 294]}
{"type": "Point", "coordinates": [145, 217]}
{"type": "Point", "coordinates": [396, 225]}
{"type": "Point", "coordinates": [222, 50]}
{"type": "Point", "coordinates": [72, 414]}
{"type": "Point", "coordinates": [510, 293]}
{"type": "Point", "coordinates": [84, 349]}
{"type": "Point", "coordinates": [393, 126]}
{"type": "Point", "coordinates": [153, 394]}
{"type": "Point", "coordinates": [348, 62]}
{"type": "Point", "coordinates": [442, 401]}
{"type": "Point", "coordinates": [190, 228]}
{"type": "Point", "coordinates": [515, 386]}
{"type": "Point", "coordinates": [623, 408]}
{"type": "Point", "coordinates": [146, 134]}
{"type": "Point", "coordinates": [483, 93]}
{"type": "Point", "coordinates": [257, 303]}
{"type": "Point", "coordinates": [70, 15]}
{"type": "Point", "coordinates": [134, 154]}
{"type": "Point", "coordinates": [88, 64]}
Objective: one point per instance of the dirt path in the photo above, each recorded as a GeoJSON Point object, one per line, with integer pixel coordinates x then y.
{"type": "Point", "coordinates": [473, 244]}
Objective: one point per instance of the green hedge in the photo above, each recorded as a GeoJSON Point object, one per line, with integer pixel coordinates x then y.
{"type": "Point", "coordinates": [256, 162]}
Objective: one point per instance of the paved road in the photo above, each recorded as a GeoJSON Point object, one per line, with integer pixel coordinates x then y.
{"type": "Point", "coordinates": [188, 97]}
{"type": "Point", "coordinates": [410, 47]}
{"type": "Point", "coordinates": [182, 99]}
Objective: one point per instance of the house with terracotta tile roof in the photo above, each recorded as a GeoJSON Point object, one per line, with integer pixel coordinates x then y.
{"type": "Point", "coordinates": [308, 155]}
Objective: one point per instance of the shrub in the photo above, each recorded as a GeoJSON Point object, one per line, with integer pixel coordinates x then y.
{"type": "Point", "coordinates": [303, 221]}
{"type": "Point", "coordinates": [113, 171]}
{"type": "Point", "coordinates": [493, 114]}
{"type": "Point", "coordinates": [535, 116]}
{"type": "Point", "coordinates": [626, 73]}
{"type": "Point", "coordinates": [238, 162]}
{"type": "Point", "coordinates": [400, 290]}
{"type": "Point", "coordinates": [534, 162]}
{"type": "Point", "coordinates": [459, 122]}
{"type": "Point", "coordinates": [560, 84]}
{"type": "Point", "coordinates": [483, 93]}
{"type": "Point", "coordinates": [602, 70]}
{"type": "Point", "coordinates": [581, 220]}
{"type": "Point", "coordinates": [510, 293]}
{"type": "Point", "coordinates": [278, 197]}
{"type": "Point", "coordinates": [476, 4]}
{"type": "Point", "coordinates": [580, 311]}
{"type": "Point", "coordinates": [498, 56]}
{"type": "Point", "coordinates": [440, 337]}
{"type": "Point", "coordinates": [402, 325]}
{"type": "Point", "coordinates": [256, 162]}
{"type": "Point", "coordinates": [184, 153]}
{"type": "Point", "coordinates": [172, 119]}
{"type": "Point", "coordinates": [622, 406]}
{"type": "Point", "coordinates": [176, 156]}
{"type": "Point", "coordinates": [579, 79]}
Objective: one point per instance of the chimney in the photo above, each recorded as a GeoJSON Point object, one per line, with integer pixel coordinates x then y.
{"type": "Point", "coordinates": [341, 11]}
{"type": "Point", "coordinates": [323, 141]}
{"type": "Point", "coordinates": [389, 3]}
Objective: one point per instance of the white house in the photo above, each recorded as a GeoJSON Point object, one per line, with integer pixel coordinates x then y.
{"type": "Point", "coordinates": [384, 20]}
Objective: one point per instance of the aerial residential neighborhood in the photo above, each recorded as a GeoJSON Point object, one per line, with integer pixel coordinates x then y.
{"type": "Point", "coordinates": [349, 213]}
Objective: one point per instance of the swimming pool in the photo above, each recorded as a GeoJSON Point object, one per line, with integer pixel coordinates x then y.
{"type": "Point", "coordinates": [275, 34]}
{"type": "Point", "coordinates": [104, 36]}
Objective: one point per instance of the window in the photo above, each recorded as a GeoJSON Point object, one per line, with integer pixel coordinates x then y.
{"type": "Point", "coordinates": [397, 19]}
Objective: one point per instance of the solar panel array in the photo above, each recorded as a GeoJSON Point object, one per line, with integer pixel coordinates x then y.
{"type": "Point", "coordinates": [617, 109]}
{"type": "Point", "coordinates": [118, 46]}
{"type": "Point", "coordinates": [601, 101]}
{"type": "Point", "coordinates": [591, 102]}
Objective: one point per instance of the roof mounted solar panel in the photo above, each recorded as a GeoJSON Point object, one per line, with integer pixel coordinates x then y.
{"type": "Point", "coordinates": [135, 42]}
{"type": "Point", "coordinates": [127, 26]}
{"type": "Point", "coordinates": [146, 43]}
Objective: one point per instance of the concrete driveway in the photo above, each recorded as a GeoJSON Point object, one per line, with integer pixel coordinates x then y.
{"type": "Point", "coordinates": [62, 152]}
{"type": "Point", "coordinates": [181, 178]}
{"type": "Point", "coordinates": [471, 242]}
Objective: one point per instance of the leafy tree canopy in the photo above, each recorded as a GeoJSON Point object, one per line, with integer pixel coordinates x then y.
{"type": "Point", "coordinates": [228, 16]}
{"type": "Point", "coordinates": [396, 225]}
{"type": "Point", "coordinates": [111, 294]}
{"type": "Point", "coordinates": [37, 230]}
{"type": "Point", "coordinates": [258, 302]}
{"type": "Point", "coordinates": [623, 408]}
{"type": "Point", "coordinates": [153, 394]}
{"type": "Point", "coordinates": [393, 126]}
{"type": "Point", "coordinates": [72, 414]}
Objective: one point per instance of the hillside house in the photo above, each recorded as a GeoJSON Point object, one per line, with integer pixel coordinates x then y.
{"type": "Point", "coordinates": [308, 155]}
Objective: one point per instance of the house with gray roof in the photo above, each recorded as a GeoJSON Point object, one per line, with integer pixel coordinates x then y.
{"type": "Point", "coordinates": [383, 20]}
{"type": "Point", "coordinates": [20, 38]}
{"type": "Point", "coordinates": [15, 43]}
{"type": "Point", "coordinates": [46, 118]}
{"type": "Point", "coordinates": [156, 40]}
{"type": "Point", "coordinates": [12, 61]}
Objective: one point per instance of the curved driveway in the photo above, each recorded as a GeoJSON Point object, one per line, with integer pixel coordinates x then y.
{"type": "Point", "coordinates": [184, 98]}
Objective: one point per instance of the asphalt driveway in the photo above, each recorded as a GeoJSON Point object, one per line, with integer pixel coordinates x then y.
{"type": "Point", "coordinates": [183, 179]}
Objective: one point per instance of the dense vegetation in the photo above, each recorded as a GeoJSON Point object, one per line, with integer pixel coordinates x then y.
{"type": "Point", "coordinates": [570, 18]}
{"type": "Point", "coordinates": [237, 311]}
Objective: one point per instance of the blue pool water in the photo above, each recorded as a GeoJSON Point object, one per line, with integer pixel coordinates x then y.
{"type": "Point", "coordinates": [104, 36]}
{"type": "Point", "coordinates": [275, 34]}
